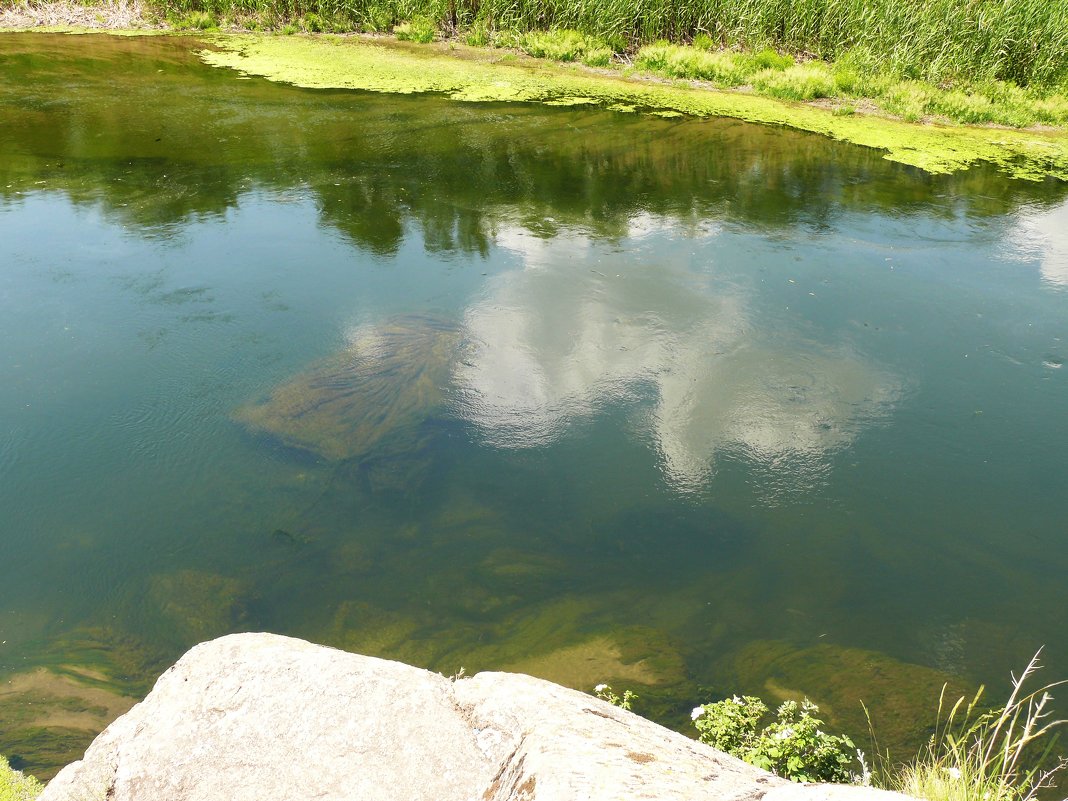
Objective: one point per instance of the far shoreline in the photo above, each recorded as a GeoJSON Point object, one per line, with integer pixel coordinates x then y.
{"type": "Point", "coordinates": [382, 63]}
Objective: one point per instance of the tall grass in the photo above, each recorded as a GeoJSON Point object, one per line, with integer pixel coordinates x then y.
{"type": "Point", "coordinates": [940, 41]}
{"type": "Point", "coordinates": [977, 754]}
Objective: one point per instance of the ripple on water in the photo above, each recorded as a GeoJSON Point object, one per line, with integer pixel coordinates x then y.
{"type": "Point", "coordinates": [10, 443]}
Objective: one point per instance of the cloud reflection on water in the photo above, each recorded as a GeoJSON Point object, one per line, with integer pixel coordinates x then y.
{"type": "Point", "coordinates": [571, 333]}
{"type": "Point", "coordinates": [1044, 234]}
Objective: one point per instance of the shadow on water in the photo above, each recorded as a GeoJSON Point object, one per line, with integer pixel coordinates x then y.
{"type": "Point", "coordinates": [610, 462]}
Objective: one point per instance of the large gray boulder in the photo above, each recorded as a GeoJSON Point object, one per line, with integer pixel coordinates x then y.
{"type": "Point", "coordinates": [258, 717]}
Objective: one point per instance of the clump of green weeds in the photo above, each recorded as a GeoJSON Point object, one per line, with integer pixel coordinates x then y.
{"type": "Point", "coordinates": [793, 745]}
{"type": "Point", "coordinates": [313, 23]}
{"type": "Point", "coordinates": [16, 785]}
{"type": "Point", "coordinates": [566, 45]}
{"type": "Point", "coordinates": [801, 82]}
{"type": "Point", "coordinates": [725, 68]}
{"type": "Point", "coordinates": [677, 61]}
{"type": "Point", "coordinates": [195, 21]}
{"type": "Point", "coordinates": [376, 19]}
{"type": "Point", "coordinates": [855, 75]}
{"type": "Point", "coordinates": [605, 693]}
{"type": "Point", "coordinates": [478, 35]}
{"type": "Point", "coordinates": [977, 754]}
{"type": "Point", "coordinates": [419, 29]}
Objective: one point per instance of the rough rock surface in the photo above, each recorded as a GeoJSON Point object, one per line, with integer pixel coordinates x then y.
{"type": "Point", "coordinates": [257, 716]}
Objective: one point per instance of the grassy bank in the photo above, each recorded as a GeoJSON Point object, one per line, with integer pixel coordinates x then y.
{"type": "Point", "coordinates": [470, 74]}
{"type": "Point", "coordinates": [1022, 41]}
{"type": "Point", "coordinates": [986, 61]}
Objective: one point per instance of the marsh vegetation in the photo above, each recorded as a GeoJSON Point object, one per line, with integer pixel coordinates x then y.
{"type": "Point", "coordinates": [975, 63]}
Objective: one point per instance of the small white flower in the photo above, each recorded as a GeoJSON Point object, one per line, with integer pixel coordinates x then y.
{"type": "Point", "coordinates": [697, 712]}
{"type": "Point", "coordinates": [600, 688]}
{"type": "Point", "coordinates": [736, 699]}
{"type": "Point", "coordinates": [954, 773]}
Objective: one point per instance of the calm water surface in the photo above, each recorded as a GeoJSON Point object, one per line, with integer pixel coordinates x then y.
{"type": "Point", "coordinates": [695, 407]}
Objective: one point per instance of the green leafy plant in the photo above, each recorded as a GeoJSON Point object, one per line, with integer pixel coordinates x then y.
{"type": "Point", "coordinates": [605, 693]}
{"type": "Point", "coordinates": [376, 19]}
{"type": "Point", "coordinates": [420, 29]}
{"type": "Point", "coordinates": [478, 35]}
{"type": "Point", "coordinates": [17, 786]}
{"type": "Point", "coordinates": [195, 21]}
{"type": "Point", "coordinates": [703, 41]}
{"type": "Point", "coordinates": [793, 745]}
{"type": "Point", "coordinates": [313, 23]}
{"type": "Point", "coordinates": [566, 45]}
{"type": "Point", "coordinates": [1001, 754]}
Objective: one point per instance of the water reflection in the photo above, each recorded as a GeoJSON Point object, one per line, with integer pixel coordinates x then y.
{"type": "Point", "coordinates": [571, 334]}
{"type": "Point", "coordinates": [1043, 235]}
{"type": "Point", "coordinates": [200, 141]}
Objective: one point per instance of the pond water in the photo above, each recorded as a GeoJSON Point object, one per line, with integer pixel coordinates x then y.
{"type": "Point", "coordinates": [692, 406]}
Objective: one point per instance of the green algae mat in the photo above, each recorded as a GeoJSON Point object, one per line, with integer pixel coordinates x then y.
{"type": "Point", "coordinates": [469, 75]}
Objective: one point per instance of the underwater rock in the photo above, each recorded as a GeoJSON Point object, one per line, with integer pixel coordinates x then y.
{"type": "Point", "coordinates": [567, 641]}
{"type": "Point", "coordinates": [194, 605]}
{"type": "Point", "coordinates": [561, 640]}
{"type": "Point", "coordinates": [387, 381]}
{"type": "Point", "coordinates": [358, 625]}
{"type": "Point", "coordinates": [584, 665]}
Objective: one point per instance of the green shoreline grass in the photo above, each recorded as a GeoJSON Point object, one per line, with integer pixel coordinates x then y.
{"type": "Point", "coordinates": [937, 41]}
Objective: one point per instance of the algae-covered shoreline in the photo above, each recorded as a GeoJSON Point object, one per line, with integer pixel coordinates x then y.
{"type": "Point", "coordinates": [478, 74]}
{"type": "Point", "coordinates": [335, 62]}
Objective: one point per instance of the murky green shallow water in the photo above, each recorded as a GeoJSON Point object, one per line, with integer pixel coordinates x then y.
{"type": "Point", "coordinates": [693, 406]}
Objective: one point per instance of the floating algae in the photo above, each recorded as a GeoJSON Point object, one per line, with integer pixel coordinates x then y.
{"type": "Point", "coordinates": [386, 382]}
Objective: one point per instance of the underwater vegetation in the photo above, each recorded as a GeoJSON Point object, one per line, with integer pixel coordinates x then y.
{"type": "Point", "coordinates": [386, 382]}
